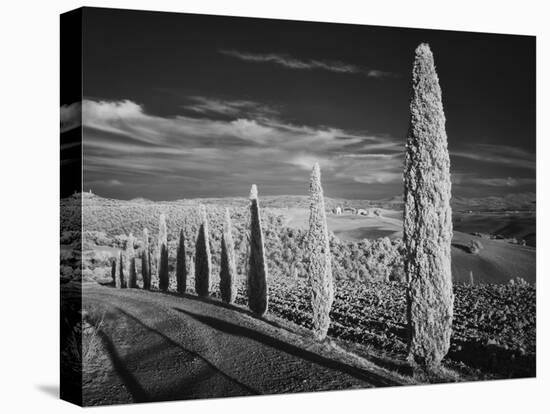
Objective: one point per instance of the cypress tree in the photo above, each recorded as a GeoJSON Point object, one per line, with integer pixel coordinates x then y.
{"type": "Point", "coordinates": [132, 279]}
{"type": "Point", "coordinates": [427, 229]}
{"type": "Point", "coordinates": [164, 278]}
{"type": "Point", "coordinates": [203, 260]}
{"type": "Point", "coordinates": [181, 269]}
{"type": "Point", "coordinates": [113, 272]}
{"type": "Point", "coordinates": [130, 262]}
{"type": "Point", "coordinates": [121, 276]}
{"type": "Point", "coordinates": [257, 267]}
{"type": "Point", "coordinates": [319, 264]}
{"type": "Point", "coordinates": [146, 261]}
{"type": "Point", "coordinates": [228, 272]}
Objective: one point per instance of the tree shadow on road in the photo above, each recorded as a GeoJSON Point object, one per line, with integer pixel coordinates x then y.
{"type": "Point", "coordinates": [363, 375]}
{"type": "Point", "coordinates": [185, 385]}
{"type": "Point", "coordinates": [217, 302]}
{"type": "Point", "coordinates": [212, 300]}
{"type": "Point", "coordinates": [130, 381]}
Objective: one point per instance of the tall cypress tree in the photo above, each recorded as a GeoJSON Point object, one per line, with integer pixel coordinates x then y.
{"type": "Point", "coordinates": [130, 262]}
{"type": "Point", "coordinates": [257, 266]}
{"type": "Point", "coordinates": [121, 275]}
{"type": "Point", "coordinates": [319, 264]}
{"type": "Point", "coordinates": [146, 261]}
{"type": "Point", "coordinates": [164, 279]}
{"type": "Point", "coordinates": [228, 272]}
{"type": "Point", "coordinates": [132, 279]}
{"type": "Point", "coordinates": [113, 272]}
{"type": "Point", "coordinates": [427, 228]}
{"type": "Point", "coordinates": [181, 268]}
{"type": "Point", "coordinates": [203, 259]}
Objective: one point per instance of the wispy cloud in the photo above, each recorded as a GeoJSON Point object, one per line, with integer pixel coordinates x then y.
{"type": "Point", "coordinates": [372, 156]}
{"type": "Point", "coordinates": [372, 170]}
{"type": "Point", "coordinates": [498, 154]}
{"type": "Point", "coordinates": [124, 143]}
{"type": "Point", "coordinates": [309, 64]}
{"type": "Point", "coordinates": [125, 146]}
{"type": "Point", "coordinates": [473, 179]}
{"type": "Point", "coordinates": [210, 106]}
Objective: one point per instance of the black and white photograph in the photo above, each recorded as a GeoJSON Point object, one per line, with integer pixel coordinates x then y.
{"type": "Point", "coordinates": [255, 206]}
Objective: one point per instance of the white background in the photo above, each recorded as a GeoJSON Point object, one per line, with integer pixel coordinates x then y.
{"type": "Point", "coordinates": [29, 148]}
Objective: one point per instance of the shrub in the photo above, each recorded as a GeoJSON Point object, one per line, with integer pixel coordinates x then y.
{"type": "Point", "coordinates": [518, 281]}
{"type": "Point", "coordinates": [257, 269]}
{"type": "Point", "coordinates": [228, 272]}
{"type": "Point", "coordinates": [319, 263]}
{"type": "Point", "coordinates": [203, 265]}
{"type": "Point", "coordinates": [428, 218]}
{"type": "Point", "coordinates": [475, 246]}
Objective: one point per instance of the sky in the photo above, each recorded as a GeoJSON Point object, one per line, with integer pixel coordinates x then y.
{"type": "Point", "coordinates": [183, 106]}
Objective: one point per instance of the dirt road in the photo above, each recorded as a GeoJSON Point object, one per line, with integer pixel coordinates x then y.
{"type": "Point", "coordinates": [157, 347]}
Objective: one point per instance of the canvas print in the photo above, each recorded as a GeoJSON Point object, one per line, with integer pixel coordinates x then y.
{"type": "Point", "coordinates": [258, 206]}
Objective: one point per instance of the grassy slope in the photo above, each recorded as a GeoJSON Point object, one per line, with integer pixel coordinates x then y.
{"type": "Point", "coordinates": [497, 262]}
{"type": "Point", "coordinates": [348, 226]}
{"type": "Point", "coordinates": [520, 225]}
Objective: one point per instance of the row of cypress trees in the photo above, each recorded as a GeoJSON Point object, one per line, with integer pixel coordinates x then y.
{"type": "Point", "coordinates": [124, 268]}
{"type": "Point", "coordinates": [319, 259]}
{"type": "Point", "coordinates": [427, 233]}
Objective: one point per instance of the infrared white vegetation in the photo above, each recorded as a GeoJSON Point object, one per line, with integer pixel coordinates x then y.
{"type": "Point", "coordinates": [319, 264]}
{"type": "Point", "coordinates": [427, 229]}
